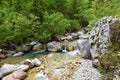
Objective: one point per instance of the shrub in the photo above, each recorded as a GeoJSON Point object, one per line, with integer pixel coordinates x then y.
{"type": "Point", "coordinates": [55, 23]}
{"type": "Point", "coordinates": [16, 27]}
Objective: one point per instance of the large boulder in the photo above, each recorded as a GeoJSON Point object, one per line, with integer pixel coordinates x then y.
{"type": "Point", "coordinates": [98, 39]}
{"type": "Point", "coordinates": [100, 35]}
{"type": "Point", "coordinates": [17, 75]}
{"type": "Point", "coordinates": [84, 47]}
{"type": "Point", "coordinates": [54, 46]}
{"type": "Point", "coordinates": [8, 68]}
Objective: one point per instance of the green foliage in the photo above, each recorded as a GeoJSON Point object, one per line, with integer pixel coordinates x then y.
{"type": "Point", "coordinates": [75, 23]}
{"type": "Point", "coordinates": [16, 27]}
{"type": "Point", "coordinates": [118, 25]}
{"type": "Point", "coordinates": [26, 20]}
{"type": "Point", "coordinates": [110, 62]}
{"type": "Point", "coordinates": [102, 72]}
{"type": "Point", "coordinates": [43, 37]}
{"type": "Point", "coordinates": [101, 8]}
{"type": "Point", "coordinates": [55, 23]}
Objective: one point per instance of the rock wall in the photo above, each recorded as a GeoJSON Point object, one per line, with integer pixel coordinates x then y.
{"type": "Point", "coordinates": [100, 35]}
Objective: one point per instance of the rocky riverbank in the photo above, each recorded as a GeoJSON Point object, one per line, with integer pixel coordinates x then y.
{"type": "Point", "coordinates": [74, 56]}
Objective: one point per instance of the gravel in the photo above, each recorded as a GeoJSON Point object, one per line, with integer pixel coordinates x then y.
{"type": "Point", "coordinates": [86, 71]}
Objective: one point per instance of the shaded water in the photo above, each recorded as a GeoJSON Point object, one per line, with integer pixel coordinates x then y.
{"type": "Point", "coordinates": [14, 60]}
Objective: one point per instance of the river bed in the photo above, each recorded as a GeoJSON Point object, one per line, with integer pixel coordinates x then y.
{"type": "Point", "coordinates": [52, 62]}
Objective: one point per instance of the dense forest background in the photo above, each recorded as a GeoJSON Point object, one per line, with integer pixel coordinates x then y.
{"type": "Point", "coordinates": [28, 20]}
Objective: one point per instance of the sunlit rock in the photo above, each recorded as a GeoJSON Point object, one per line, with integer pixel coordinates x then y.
{"type": "Point", "coordinates": [17, 75]}
{"type": "Point", "coordinates": [41, 76]}
{"type": "Point", "coordinates": [99, 39]}
{"type": "Point", "coordinates": [8, 68]}
{"type": "Point", "coordinates": [36, 62]}
{"type": "Point", "coordinates": [18, 54]}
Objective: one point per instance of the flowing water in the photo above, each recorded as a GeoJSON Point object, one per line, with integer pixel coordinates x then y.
{"type": "Point", "coordinates": [56, 61]}
{"type": "Point", "coordinates": [56, 65]}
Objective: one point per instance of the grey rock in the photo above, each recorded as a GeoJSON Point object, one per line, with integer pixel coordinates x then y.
{"type": "Point", "coordinates": [54, 46]}
{"type": "Point", "coordinates": [100, 36]}
{"type": "Point", "coordinates": [69, 37]}
{"type": "Point", "coordinates": [8, 68]}
{"type": "Point", "coordinates": [31, 63]}
{"type": "Point", "coordinates": [74, 35]}
{"type": "Point", "coordinates": [86, 71]}
{"type": "Point", "coordinates": [84, 36]}
{"type": "Point", "coordinates": [33, 43]}
{"type": "Point", "coordinates": [41, 76]}
{"type": "Point", "coordinates": [18, 54]}
{"type": "Point", "coordinates": [62, 38]}
{"type": "Point", "coordinates": [36, 62]}
{"type": "Point", "coordinates": [84, 47]}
